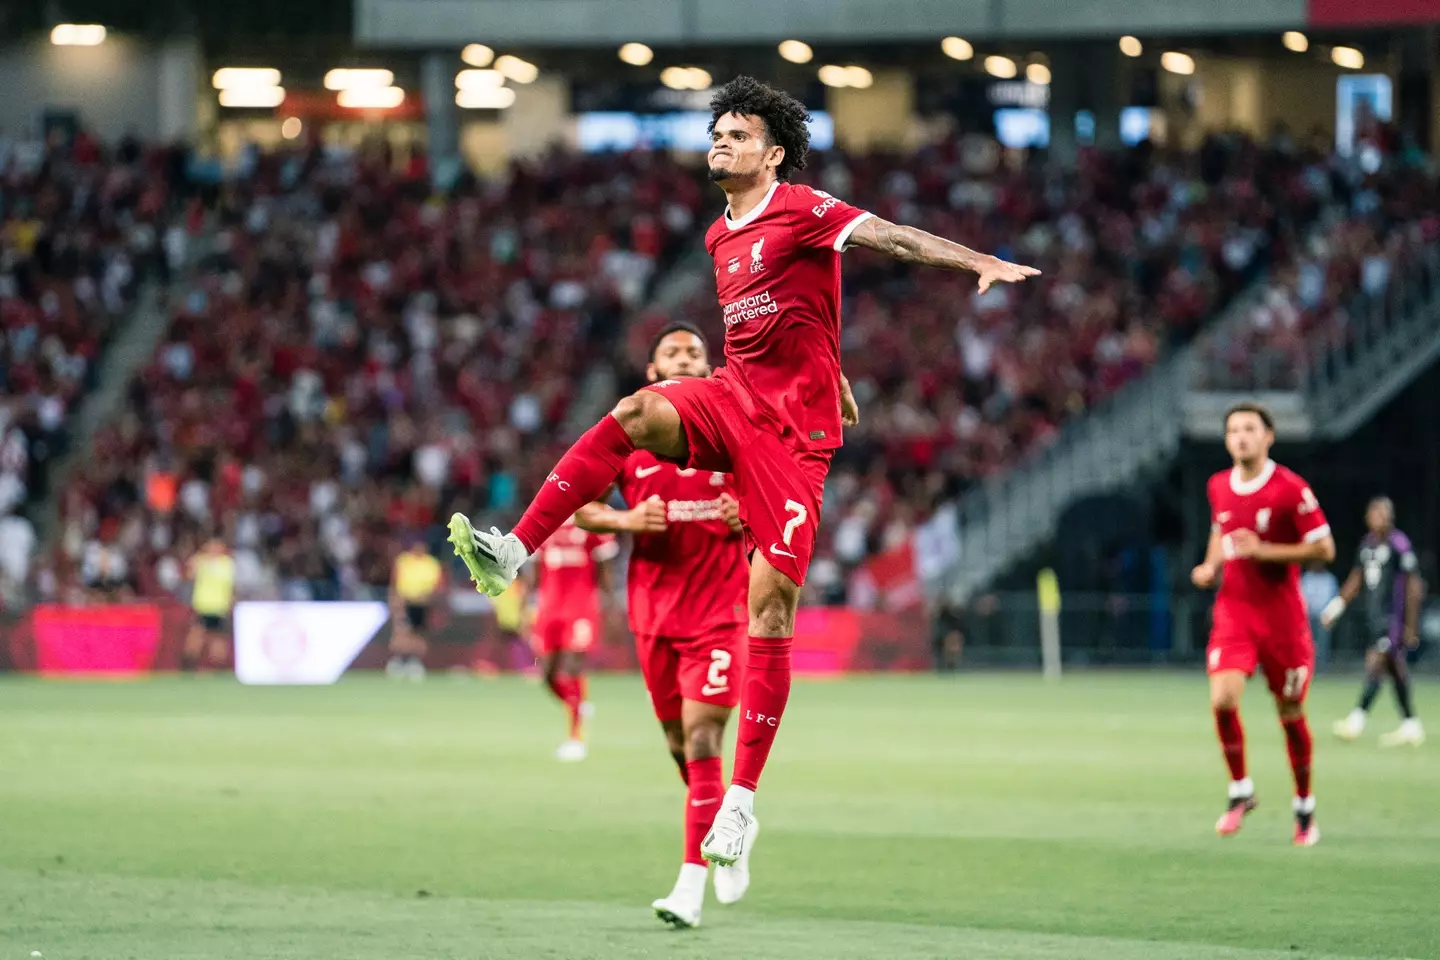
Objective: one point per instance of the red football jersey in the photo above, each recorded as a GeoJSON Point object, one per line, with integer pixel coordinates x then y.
{"type": "Point", "coordinates": [693, 577]}
{"type": "Point", "coordinates": [1280, 508]}
{"type": "Point", "coordinates": [777, 272]}
{"type": "Point", "coordinates": [570, 573]}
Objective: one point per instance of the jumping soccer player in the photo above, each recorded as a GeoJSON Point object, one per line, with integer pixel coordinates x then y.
{"type": "Point", "coordinates": [567, 621]}
{"type": "Point", "coordinates": [687, 583]}
{"type": "Point", "coordinates": [771, 416]}
{"type": "Point", "coordinates": [1387, 570]}
{"type": "Point", "coordinates": [1265, 522]}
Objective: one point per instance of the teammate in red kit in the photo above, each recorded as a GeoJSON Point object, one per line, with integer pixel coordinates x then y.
{"type": "Point", "coordinates": [567, 621]}
{"type": "Point", "coordinates": [687, 583]}
{"type": "Point", "coordinates": [771, 415]}
{"type": "Point", "coordinates": [1265, 523]}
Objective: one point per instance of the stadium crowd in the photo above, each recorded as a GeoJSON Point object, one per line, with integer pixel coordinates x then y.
{"type": "Point", "coordinates": [80, 226]}
{"type": "Point", "coordinates": [1376, 225]}
{"type": "Point", "coordinates": [356, 357]}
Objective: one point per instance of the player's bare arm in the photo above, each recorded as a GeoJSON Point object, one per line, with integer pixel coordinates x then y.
{"type": "Point", "coordinates": [645, 517]}
{"type": "Point", "coordinates": [1414, 597]}
{"type": "Point", "coordinates": [849, 409]}
{"type": "Point", "coordinates": [913, 245]}
{"type": "Point", "coordinates": [1203, 576]}
{"type": "Point", "coordinates": [1248, 545]}
{"type": "Point", "coordinates": [1348, 592]}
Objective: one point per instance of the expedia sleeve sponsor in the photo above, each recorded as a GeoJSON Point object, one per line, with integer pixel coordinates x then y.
{"type": "Point", "coordinates": [749, 308]}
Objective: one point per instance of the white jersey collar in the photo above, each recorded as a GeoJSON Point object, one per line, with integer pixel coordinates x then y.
{"type": "Point", "coordinates": [750, 217]}
{"type": "Point", "coordinates": [1246, 488]}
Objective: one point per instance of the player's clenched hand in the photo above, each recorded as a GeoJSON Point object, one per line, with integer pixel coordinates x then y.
{"type": "Point", "coordinates": [995, 270]}
{"type": "Point", "coordinates": [1203, 576]}
{"type": "Point", "coordinates": [1247, 544]}
{"type": "Point", "coordinates": [849, 409]}
{"type": "Point", "coordinates": [730, 512]}
{"type": "Point", "coordinates": [648, 516]}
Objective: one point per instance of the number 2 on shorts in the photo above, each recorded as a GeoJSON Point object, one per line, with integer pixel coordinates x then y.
{"type": "Point", "coordinates": [801, 515]}
{"type": "Point", "coordinates": [716, 682]}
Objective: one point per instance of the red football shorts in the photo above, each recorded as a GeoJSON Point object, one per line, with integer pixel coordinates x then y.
{"type": "Point", "coordinates": [704, 668]}
{"type": "Point", "coordinates": [1242, 639]}
{"type": "Point", "coordinates": [556, 635]}
{"type": "Point", "coordinates": [780, 489]}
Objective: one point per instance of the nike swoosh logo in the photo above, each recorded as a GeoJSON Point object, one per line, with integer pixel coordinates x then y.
{"type": "Point", "coordinates": [704, 803]}
{"type": "Point", "coordinates": [710, 691]}
{"type": "Point", "coordinates": [1224, 516]}
{"type": "Point", "coordinates": [643, 472]}
{"type": "Point", "coordinates": [775, 549]}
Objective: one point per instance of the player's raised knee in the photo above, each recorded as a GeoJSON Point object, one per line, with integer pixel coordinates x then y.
{"type": "Point", "coordinates": [648, 418]}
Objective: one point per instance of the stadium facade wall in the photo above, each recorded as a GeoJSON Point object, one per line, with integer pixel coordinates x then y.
{"type": "Point", "coordinates": [121, 86]}
{"type": "Point", "coordinates": [419, 23]}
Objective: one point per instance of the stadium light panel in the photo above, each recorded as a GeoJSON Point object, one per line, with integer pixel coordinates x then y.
{"type": "Point", "coordinates": [77, 34]}
{"type": "Point", "coordinates": [258, 97]}
{"type": "Point", "coordinates": [485, 98]}
{"type": "Point", "coordinates": [957, 48]}
{"type": "Point", "coordinates": [833, 75]}
{"type": "Point", "coordinates": [636, 54]}
{"type": "Point", "coordinates": [1131, 46]}
{"type": "Point", "coordinates": [351, 79]}
{"type": "Point", "coordinates": [859, 78]}
{"type": "Point", "coordinates": [369, 98]}
{"type": "Point", "coordinates": [478, 55]}
{"type": "Point", "coordinates": [1002, 67]}
{"type": "Point", "coordinates": [1038, 73]}
{"type": "Point", "coordinates": [796, 51]}
{"type": "Point", "coordinates": [1295, 41]}
{"type": "Point", "coordinates": [479, 80]}
{"type": "Point", "coordinates": [245, 78]}
{"type": "Point", "coordinates": [1347, 57]}
{"type": "Point", "coordinates": [291, 128]}
{"type": "Point", "coordinates": [686, 78]}
{"type": "Point", "coordinates": [1176, 62]}
{"type": "Point", "coordinates": [520, 71]}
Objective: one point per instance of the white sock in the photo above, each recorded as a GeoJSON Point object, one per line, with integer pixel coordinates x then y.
{"type": "Point", "coordinates": [1411, 724]}
{"type": "Point", "coordinates": [690, 885]}
{"type": "Point", "coordinates": [1242, 788]}
{"type": "Point", "coordinates": [1357, 718]}
{"type": "Point", "coordinates": [1303, 804]}
{"type": "Point", "coordinates": [744, 796]}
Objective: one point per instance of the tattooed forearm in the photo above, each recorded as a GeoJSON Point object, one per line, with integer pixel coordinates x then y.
{"type": "Point", "coordinates": [911, 245]}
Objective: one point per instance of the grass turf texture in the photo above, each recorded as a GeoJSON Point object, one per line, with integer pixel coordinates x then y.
{"type": "Point", "coordinates": [985, 817]}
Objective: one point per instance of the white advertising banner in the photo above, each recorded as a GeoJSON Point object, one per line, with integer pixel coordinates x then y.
{"type": "Point", "coordinates": [305, 643]}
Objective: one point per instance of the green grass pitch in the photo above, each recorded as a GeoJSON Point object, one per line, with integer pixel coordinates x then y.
{"type": "Point", "coordinates": [983, 817]}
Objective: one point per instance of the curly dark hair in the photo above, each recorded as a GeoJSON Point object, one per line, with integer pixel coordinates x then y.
{"type": "Point", "coordinates": [785, 117]}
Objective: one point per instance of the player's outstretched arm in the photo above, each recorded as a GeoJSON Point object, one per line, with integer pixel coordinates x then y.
{"type": "Point", "coordinates": [912, 245]}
